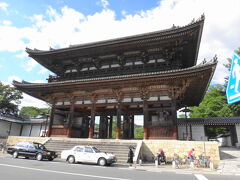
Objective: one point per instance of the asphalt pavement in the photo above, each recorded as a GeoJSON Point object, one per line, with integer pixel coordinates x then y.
{"type": "Point", "coordinates": [28, 169]}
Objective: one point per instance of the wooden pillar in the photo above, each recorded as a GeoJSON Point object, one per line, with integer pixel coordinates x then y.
{"type": "Point", "coordinates": [86, 127]}
{"type": "Point", "coordinates": [101, 127]}
{"type": "Point", "coordinates": [145, 119]}
{"type": "Point", "coordinates": [20, 133]}
{"type": "Point", "coordinates": [30, 133]}
{"type": "Point", "coordinates": [92, 122]}
{"type": "Point", "coordinates": [190, 129]}
{"type": "Point", "coordinates": [71, 116]}
{"type": "Point", "coordinates": [110, 127]}
{"type": "Point", "coordinates": [105, 127]}
{"type": "Point", "coordinates": [40, 130]}
{"type": "Point", "coordinates": [174, 119]}
{"type": "Point", "coordinates": [118, 130]}
{"type": "Point", "coordinates": [126, 127]}
{"type": "Point", "coordinates": [186, 129]}
{"type": "Point", "coordinates": [145, 94]}
{"type": "Point", "coordinates": [51, 119]}
{"type": "Point", "coordinates": [131, 128]}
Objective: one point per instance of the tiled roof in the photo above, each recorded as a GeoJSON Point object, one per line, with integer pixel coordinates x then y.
{"type": "Point", "coordinates": [11, 118]}
{"type": "Point", "coordinates": [14, 119]}
{"type": "Point", "coordinates": [169, 72]}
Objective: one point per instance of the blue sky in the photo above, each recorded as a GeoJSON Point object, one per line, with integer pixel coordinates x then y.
{"type": "Point", "coordinates": [59, 23]}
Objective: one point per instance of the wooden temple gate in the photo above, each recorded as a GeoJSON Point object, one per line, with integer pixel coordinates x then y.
{"type": "Point", "coordinates": [75, 117]}
{"type": "Point", "coordinates": [152, 74]}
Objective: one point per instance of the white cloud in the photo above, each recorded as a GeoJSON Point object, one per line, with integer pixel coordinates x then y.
{"type": "Point", "coordinates": [31, 101]}
{"type": "Point", "coordinates": [10, 80]}
{"type": "Point", "coordinates": [16, 78]}
{"type": "Point", "coordinates": [3, 6]}
{"type": "Point", "coordinates": [31, 64]}
{"type": "Point", "coordinates": [23, 54]}
{"type": "Point", "coordinates": [42, 71]}
{"type": "Point", "coordinates": [6, 22]}
{"type": "Point", "coordinates": [61, 29]}
{"type": "Point", "coordinates": [104, 3]}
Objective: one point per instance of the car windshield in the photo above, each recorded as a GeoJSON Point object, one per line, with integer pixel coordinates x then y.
{"type": "Point", "coordinates": [39, 146]}
{"type": "Point", "coordinates": [96, 149]}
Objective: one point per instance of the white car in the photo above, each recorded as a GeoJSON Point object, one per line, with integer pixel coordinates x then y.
{"type": "Point", "coordinates": [88, 154]}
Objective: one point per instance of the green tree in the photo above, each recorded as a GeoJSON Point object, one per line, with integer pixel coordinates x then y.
{"type": "Point", "coordinates": [138, 132]}
{"type": "Point", "coordinates": [33, 112]}
{"type": "Point", "coordinates": [214, 104]}
{"type": "Point", "coordinates": [9, 99]}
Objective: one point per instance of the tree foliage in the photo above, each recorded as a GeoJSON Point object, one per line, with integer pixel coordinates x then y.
{"type": "Point", "coordinates": [9, 99]}
{"type": "Point", "coordinates": [33, 112]}
{"type": "Point", "coordinates": [214, 103]}
{"type": "Point", "coordinates": [138, 132]}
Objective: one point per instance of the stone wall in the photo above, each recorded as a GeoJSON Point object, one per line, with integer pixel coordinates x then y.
{"type": "Point", "coordinates": [12, 140]}
{"type": "Point", "coordinates": [170, 147]}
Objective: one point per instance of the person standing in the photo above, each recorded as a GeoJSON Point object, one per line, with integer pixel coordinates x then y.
{"type": "Point", "coordinates": [130, 156]}
{"type": "Point", "coordinates": [191, 157]}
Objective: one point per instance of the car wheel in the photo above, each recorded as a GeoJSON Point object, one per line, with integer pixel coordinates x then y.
{"type": "Point", "coordinates": [71, 159]}
{"type": "Point", "coordinates": [102, 162]}
{"type": "Point", "coordinates": [15, 154]}
{"type": "Point", "coordinates": [39, 157]}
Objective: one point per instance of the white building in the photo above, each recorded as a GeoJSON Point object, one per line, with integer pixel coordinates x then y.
{"type": "Point", "coordinates": [15, 126]}
{"type": "Point", "coordinates": [197, 129]}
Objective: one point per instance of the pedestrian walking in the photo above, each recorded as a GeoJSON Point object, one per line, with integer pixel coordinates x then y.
{"type": "Point", "coordinates": [130, 156]}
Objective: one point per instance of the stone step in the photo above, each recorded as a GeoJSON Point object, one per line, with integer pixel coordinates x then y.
{"type": "Point", "coordinates": [90, 143]}
{"type": "Point", "coordinates": [119, 149]}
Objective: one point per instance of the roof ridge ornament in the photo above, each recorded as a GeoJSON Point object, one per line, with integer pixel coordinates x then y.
{"type": "Point", "coordinates": [215, 58]}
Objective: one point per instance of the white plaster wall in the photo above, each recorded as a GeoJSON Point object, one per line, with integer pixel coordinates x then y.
{"type": "Point", "coordinates": [198, 133]}
{"type": "Point", "coordinates": [238, 132]}
{"type": "Point", "coordinates": [36, 130]}
{"type": "Point", "coordinates": [181, 131]}
{"type": "Point", "coordinates": [4, 127]}
{"type": "Point", "coordinates": [26, 130]}
{"type": "Point", "coordinates": [15, 129]}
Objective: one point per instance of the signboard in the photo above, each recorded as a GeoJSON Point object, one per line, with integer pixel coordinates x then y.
{"type": "Point", "coordinates": [233, 88]}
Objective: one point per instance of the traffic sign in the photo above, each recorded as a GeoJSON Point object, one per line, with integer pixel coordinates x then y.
{"type": "Point", "coordinates": [233, 88]}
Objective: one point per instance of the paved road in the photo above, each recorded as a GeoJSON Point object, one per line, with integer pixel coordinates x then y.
{"type": "Point", "coordinates": [27, 169]}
